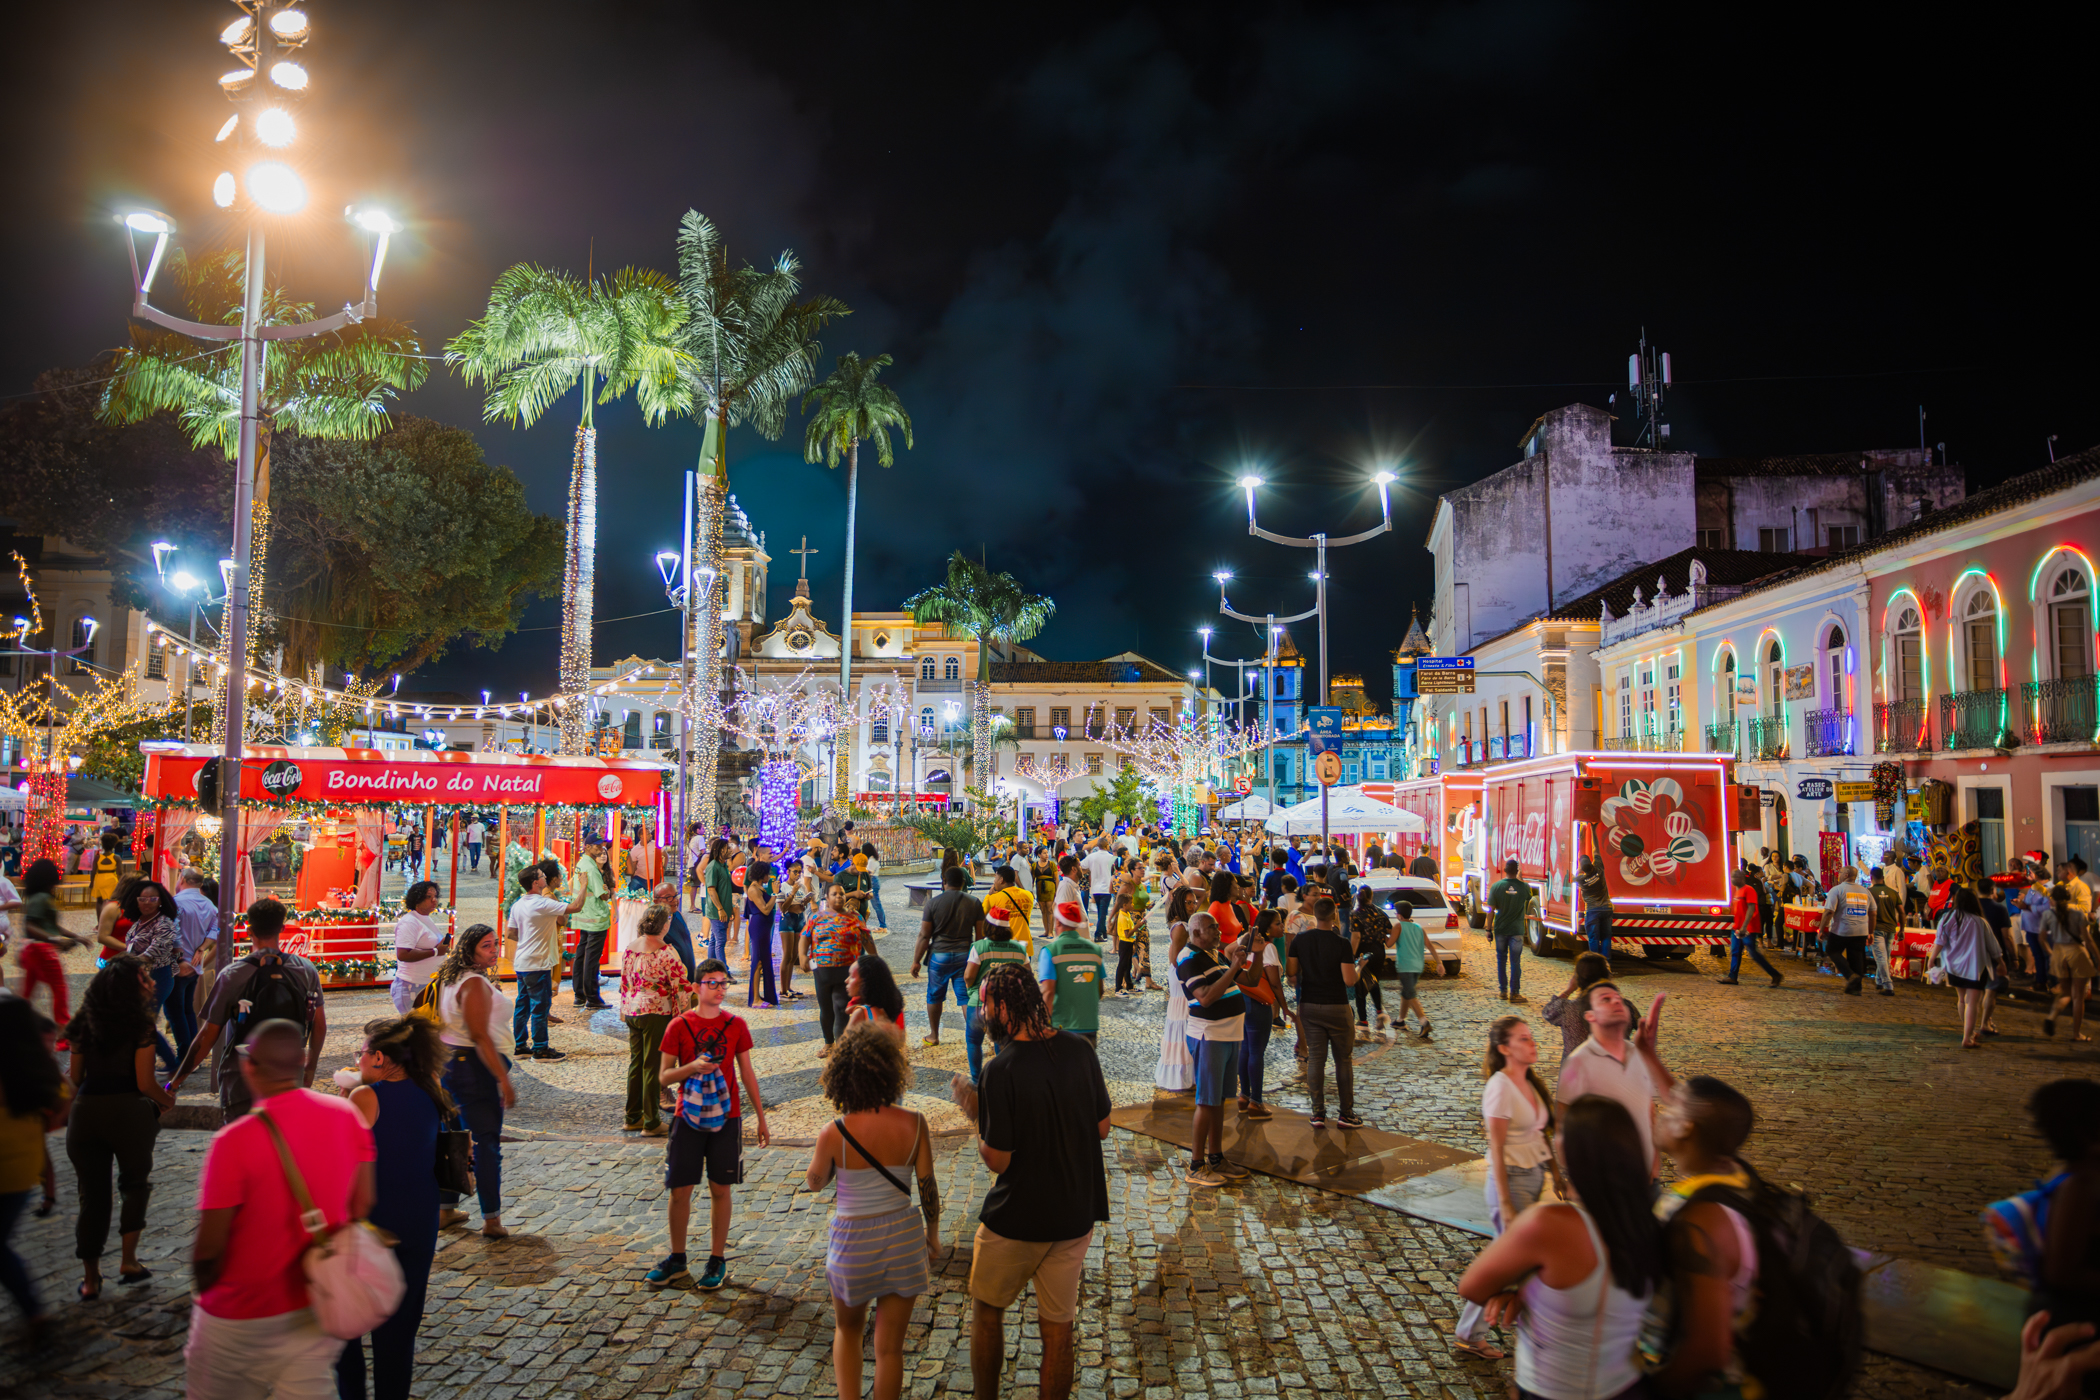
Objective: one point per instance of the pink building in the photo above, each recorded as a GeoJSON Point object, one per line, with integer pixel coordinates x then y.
{"type": "Point", "coordinates": [1985, 618]}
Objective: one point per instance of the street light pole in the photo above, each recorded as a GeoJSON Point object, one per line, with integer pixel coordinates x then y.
{"type": "Point", "coordinates": [1319, 544]}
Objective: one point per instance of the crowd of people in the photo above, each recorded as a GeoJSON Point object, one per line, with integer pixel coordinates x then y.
{"type": "Point", "coordinates": [1614, 1276]}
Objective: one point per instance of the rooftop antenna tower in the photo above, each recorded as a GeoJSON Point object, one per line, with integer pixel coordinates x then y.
{"type": "Point", "coordinates": [1647, 377]}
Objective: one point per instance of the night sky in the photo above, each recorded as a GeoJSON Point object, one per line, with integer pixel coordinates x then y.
{"type": "Point", "coordinates": [1123, 255]}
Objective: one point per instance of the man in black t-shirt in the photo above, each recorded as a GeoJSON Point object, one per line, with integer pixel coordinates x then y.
{"type": "Point", "coordinates": [1042, 1112]}
{"type": "Point", "coordinates": [1272, 882]}
{"type": "Point", "coordinates": [1322, 965]}
{"type": "Point", "coordinates": [952, 922]}
{"type": "Point", "coordinates": [1423, 867]}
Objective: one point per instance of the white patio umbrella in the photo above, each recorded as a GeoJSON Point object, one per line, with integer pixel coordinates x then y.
{"type": "Point", "coordinates": [1349, 813]}
{"type": "Point", "coordinates": [1252, 808]}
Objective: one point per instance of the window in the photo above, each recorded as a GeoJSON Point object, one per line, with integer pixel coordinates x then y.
{"type": "Point", "coordinates": [1061, 717]}
{"type": "Point", "coordinates": [1674, 677]}
{"type": "Point", "coordinates": [1093, 763]}
{"type": "Point", "coordinates": [1724, 699]}
{"type": "Point", "coordinates": [662, 724]}
{"type": "Point", "coordinates": [1283, 768]}
{"type": "Point", "coordinates": [926, 719]}
{"type": "Point", "coordinates": [1713, 539]}
{"type": "Point", "coordinates": [1125, 762]}
{"type": "Point", "coordinates": [1349, 777]}
{"type": "Point", "coordinates": [926, 669]}
{"type": "Point", "coordinates": [1908, 645]}
{"type": "Point", "coordinates": [1162, 718]}
{"type": "Point", "coordinates": [1625, 703]}
{"type": "Point", "coordinates": [1834, 667]}
{"type": "Point", "coordinates": [2070, 625]}
{"type": "Point", "coordinates": [1024, 722]}
{"type": "Point", "coordinates": [1647, 674]}
{"type": "Point", "coordinates": [1505, 724]}
{"type": "Point", "coordinates": [879, 728]}
{"type": "Point", "coordinates": [1377, 770]}
{"type": "Point", "coordinates": [1469, 731]}
{"type": "Point", "coordinates": [951, 668]}
{"type": "Point", "coordinates": [156, 662]}
{"type": "Point", "coordinates": [1283, 684]}
{"type": "Point", "coordinates": [1844, 537]}
{"type": "Point", "coordinates": [1126, 718]}
{"type": "Point", "coordinates": [1773, 541]}
{"type": "Point", "coordinates": [83, 637]}
{"type": "Point", "coordinates": [1775, 674]}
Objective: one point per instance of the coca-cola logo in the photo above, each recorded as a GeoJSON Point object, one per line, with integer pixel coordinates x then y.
{"type": "Point", "coordinates": [281, 779]}
{"type": "Point", "coordinates": [609, 786]}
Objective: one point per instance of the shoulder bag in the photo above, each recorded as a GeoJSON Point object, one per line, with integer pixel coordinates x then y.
{"type": "Point", "coordinates": [352, 1277]}
{"type": "Point", "coordinates": [455, 1157]}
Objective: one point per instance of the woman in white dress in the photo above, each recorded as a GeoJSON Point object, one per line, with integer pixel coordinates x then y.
{"type": "Point", "coordinates": [1177, 1072]}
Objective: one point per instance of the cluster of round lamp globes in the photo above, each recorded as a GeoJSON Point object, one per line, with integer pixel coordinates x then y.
{"type": "Point", "coordinates": [265, 86]}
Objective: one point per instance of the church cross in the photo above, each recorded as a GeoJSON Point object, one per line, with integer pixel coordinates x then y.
{"type": "Point", "coordinates": [805, 551]}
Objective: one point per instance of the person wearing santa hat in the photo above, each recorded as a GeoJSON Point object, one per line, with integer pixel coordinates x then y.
{"type": "Point", "coordinates": [1070, 967]}
{"type": "Point", "coordinates": [986, 954]}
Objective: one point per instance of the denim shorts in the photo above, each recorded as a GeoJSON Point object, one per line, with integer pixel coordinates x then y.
{"type": "Point", "coordinates": [941, 969]}
{"type": "Point", "coordinates": [1217, 1070]}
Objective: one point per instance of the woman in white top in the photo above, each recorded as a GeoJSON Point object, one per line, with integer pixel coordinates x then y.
{"type": "Point", "coordinates": [1176, 1070]}
{"type": "Point", "coordinates": [471, 1014]}
{"type": "Point", "coordinates": [1576, 1279]}
{"type": "Point", "coordinates": [879, 1250]}
{"type": "Point", "coordinates": [1515, 1108]}
{"type": "Point", "coordinates": [418, 941]}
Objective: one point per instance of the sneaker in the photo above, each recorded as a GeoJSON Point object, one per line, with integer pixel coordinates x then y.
{"type": "Point", "coordinates": [1728, 981]}
{"type": "Point", "coordinates": [1204, 1176]}
{"type": "Point", "coordinates": [1519, 999]}
{"type": "Point", "coordinates": [1349, 1120]}
{"type": "Point", "coordinates": [630, 1127]}
{"type": "Point", "coordinates": [1888, 991]}
{"type": "Point", "coordinates": [714, 1275]}
{"type": "Point", "coordinates": [1231, 1171]}
{"type": "Point", "coordinates": [1318, 1121]}
{"type": "Point", "coordinates": [669, 1273]}
{"type": "Point", "coordinates": [548, 1053]}
{"type": "Point", "coordinates": [1777, 978]}
{"type": "Point", "coordinates": [1259, 1112]}
{"type": "Point", "coordinates": [1426, 1036]}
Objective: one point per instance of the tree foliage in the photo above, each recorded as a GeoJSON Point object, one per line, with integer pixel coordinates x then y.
{"type": "Point", "coordinates": [112, 489]}
{"type": "Point", "coordinates": [853, 406]}
{"type": "Point", "coordinates": [974, 601]}
{"type": "Point", "coordinates": [545, 329]}
{"type": "Point", "coordinates": [1128, 794]}
{"type": "Point", "coordinates": [391, 550]}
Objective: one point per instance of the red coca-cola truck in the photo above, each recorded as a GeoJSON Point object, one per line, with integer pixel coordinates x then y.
{"type": "Point", "coordinates": [1662, 825]}
{"type": "Point", "coordinates": [1449, 806]}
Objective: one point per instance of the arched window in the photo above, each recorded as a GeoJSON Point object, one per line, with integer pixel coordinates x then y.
{"type": "Point", "coordinates": [926, 716]}
{"type": "Point", "coordinates": [2070, 603]}
{"type": "Point", "coordinates": [951, 668]}
{"type": "Point", "coordinates": [1775, 678]}
{"type": "Point", "coordinates": [83, 636]}
{"type": "Point", "coordinates": [1834, 666]}
{"type": "Point", "coordinates": [1907, 655]}
{"type": "Point", "coordinates": [926, 668]}
{"type": "Point", "coordinates": [1979, 631]}
{"type": "Point", "coordinates": [1724, 687]}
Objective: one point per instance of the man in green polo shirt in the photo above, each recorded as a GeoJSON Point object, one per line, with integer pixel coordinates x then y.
{"type": "Point", "coordinates": [1509, 901]}
{"type": "Point", "coordinates": [592, 923]}
{"type": "Point", "coordinates": [1069, 967]}
{"type": "Point", "coordinates": [986, 954]}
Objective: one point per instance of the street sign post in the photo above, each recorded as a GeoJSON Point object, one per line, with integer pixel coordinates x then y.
{"type": "Point", "coordinates": [1243, 783]}
{"type": "Point", "coordinates": [1444, 675]}
{"type": "Point", "coordinates": [1328, 767]}
{"type": "Point", "coordinates": [1323, 733]}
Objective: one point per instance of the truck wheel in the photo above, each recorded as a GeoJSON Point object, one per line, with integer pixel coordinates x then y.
{"type": "Point", "coordinates": [1666, 952]}
{"type": "Point", "coordinates": [1475, 914]}
{"type": "Point", "coordinates": [1542, 940]}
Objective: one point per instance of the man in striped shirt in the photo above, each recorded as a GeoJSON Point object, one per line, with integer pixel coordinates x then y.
{"type": "Point", "coordinates": [986, 954]}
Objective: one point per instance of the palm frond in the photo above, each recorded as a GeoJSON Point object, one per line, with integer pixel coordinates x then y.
{"type": "Point", "coordinates": [853, 406]}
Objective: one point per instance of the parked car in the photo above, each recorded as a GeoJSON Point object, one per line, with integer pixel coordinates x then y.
{"type": "Point", "coordinates": [1434, 912]}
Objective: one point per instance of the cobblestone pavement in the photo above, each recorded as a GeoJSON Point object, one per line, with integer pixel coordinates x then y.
{"type": "Point", "coordinates": [1267, 1289]}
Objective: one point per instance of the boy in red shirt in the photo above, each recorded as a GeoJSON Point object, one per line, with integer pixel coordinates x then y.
{"type": "Point", "coordinates": [698, 1049]}
{"type": "Point", "coordinates": [1745, 910]}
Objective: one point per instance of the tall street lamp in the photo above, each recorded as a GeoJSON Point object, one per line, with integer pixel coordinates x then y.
{"type": "Point", "coordinates": [265, 89]}
{"type": "Point", "coordinates": [1271, 625]}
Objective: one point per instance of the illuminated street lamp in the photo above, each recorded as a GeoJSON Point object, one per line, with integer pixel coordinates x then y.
{"type": "Point", "coordinates": [265, 88]}
{"type": "Point", "coordinates": [184, 583]}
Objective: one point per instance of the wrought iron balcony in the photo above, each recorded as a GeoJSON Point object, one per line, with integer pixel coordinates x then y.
{"type": "Point", "coordinates": [1900, 727]}
{"type": "Point", "coordinates": [1975, 719]}
{"type": "Point", "coordinates": [2060, 711]}
{"type": "Point", "coordinates": [1643, 741]}
{"type": "Point", "coordinates": [1767, 738]}
{"type": "Point", "coordinates": [1829, 732]}
{"type": "Point", "coordinates": [1725, 737]}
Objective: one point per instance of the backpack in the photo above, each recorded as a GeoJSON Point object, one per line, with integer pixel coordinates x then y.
{"type": "Point", "coordinates": [274, 994]}
{"type": "Point", "coordinates": [703, 1100]}
{"type": "Point", "coordinates": [2016, 1227]}
{"type": "Point", "coordinates": [1806, 1333]}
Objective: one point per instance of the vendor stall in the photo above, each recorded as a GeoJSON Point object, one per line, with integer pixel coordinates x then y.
{"type": "Point", "coordinates": [332, 806]}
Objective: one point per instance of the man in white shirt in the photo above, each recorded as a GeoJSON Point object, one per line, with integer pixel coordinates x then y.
{"type": "Point", "coordinates": [533, 939]}
{"type": "Point", "coordinates": [1848, 921]}
{"type": "Point", "coordinates": [1610, 1064]}
{"type": "Point", "coordinates": [476, 834]}
{"type": "Point", "coordinates": [1100, 866]}
{"type": "Point", "coordinates": [196, 924]}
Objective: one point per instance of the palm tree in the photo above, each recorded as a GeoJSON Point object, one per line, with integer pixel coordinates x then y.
{"type": "Point", "coordinates": [750, 349]}
{"type": "Point", "coordinates": [543, 332]}
{"type": "Point", "coordinates": [332, 386]}
{"type": "Point", "coordinates": [852, 406]}
{"type": "Point", "coordinates": [991, 607]}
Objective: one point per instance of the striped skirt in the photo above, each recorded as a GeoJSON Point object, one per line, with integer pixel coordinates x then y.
{"type": "Point", "coordinates": [873, 1256]}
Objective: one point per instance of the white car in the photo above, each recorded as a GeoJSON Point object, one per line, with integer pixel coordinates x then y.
{"type": "Point", "coordinates": [1389, 886]}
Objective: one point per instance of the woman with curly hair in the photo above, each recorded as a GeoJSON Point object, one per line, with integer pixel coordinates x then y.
{"type": "Point", "coordinates": [471, 1015]}
{"type": "Point", "coordinates": [116, 1115]}
{"type": "Point", "coordinates": [148, 932]}
{"type": "Point", "coordinates": [879, 1252]}
{"type": "Point", "coordinates": [872, 995]}
{"type": "Point", "coordinates": [401, 1101]}
{"type": "Point", "coordinates": [32, 1102]}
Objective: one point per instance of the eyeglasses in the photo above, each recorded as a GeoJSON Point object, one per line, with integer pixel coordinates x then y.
{"type": "Point", "coordinates": [714, 981]}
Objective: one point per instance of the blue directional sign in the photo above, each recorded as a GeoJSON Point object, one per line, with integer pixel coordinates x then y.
{"type": "Point", "coordinates": [1444, 675]}
{"type": "Point", "coordinates": [1323, 728]}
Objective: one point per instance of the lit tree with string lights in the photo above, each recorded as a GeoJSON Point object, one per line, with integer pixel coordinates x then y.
{"type": "Point", "coordinates": [54, 724]}
{"type": "Point", "coordinates": [544, 333]}
{"type": "Point", "coordinates": [782, 722]}
{"type": "Point", "coordinates": [750, 349]}
{"type": "Point", "coordinates": [1178, 758]}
